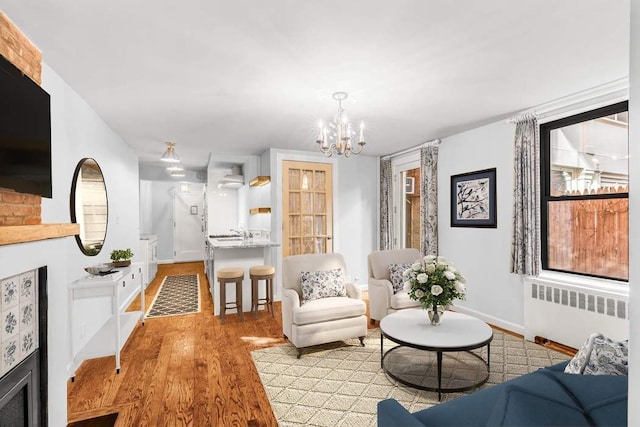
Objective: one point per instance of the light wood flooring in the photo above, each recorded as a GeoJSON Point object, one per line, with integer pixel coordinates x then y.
{"type": "Point", "coordinates": [187, 370]}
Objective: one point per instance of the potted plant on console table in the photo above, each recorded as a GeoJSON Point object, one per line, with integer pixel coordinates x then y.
{"type": "Point", "coordinates": [121, 257]}
{"type": "Point", "coordinates": [435, 282]}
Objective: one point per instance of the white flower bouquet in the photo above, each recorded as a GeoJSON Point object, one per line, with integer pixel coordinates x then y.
{"type": "Point", "coordinates": [434, 281]}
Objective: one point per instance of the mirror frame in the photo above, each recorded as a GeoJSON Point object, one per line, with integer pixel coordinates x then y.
{"type": "Point", "coordinates": [72, 203]}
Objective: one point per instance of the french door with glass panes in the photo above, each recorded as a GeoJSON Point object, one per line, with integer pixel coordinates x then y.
{"type": "Point", "coordinates": [307, 199]}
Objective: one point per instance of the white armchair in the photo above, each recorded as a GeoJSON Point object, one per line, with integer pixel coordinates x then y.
{"type": "Point", "coordinates": [324, 320]}
{"type": "Point", "coordinates": [382, 300]}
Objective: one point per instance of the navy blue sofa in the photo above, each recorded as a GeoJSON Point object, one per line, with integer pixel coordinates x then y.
{"type": "Point", "coordinates": [546, 397]}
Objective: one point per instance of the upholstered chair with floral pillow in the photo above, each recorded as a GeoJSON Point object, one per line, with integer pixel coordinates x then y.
{"type": "Point", "coordinates": [318, 304]}
{"type": "Point", "coordinates": [386, 294]}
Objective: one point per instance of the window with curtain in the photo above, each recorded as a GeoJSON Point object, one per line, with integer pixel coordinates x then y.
{"type": "Point", "coordinates": [584, 206]}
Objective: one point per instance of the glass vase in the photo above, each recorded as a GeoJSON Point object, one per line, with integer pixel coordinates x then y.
{"type": "Point", "coordinates": [435, 314]}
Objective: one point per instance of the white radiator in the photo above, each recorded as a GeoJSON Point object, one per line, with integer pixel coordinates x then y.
{"type": "Point", "coordinates": [569, 313]}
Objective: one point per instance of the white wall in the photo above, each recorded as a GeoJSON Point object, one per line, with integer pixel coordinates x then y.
{"type": "Point", "coordinates": [482, 254]}
{"type": "Point", "coordinates": [356, 210]}
{"type": "Point", "coordinates": [162, 218]}
{"type": "Point", "coordinates": [76, 132]}
{"type": "Point", "coordinates": [634, 208]}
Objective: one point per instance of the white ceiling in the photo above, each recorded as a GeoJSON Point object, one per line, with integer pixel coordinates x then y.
{"type": "Point", "coordinates": [240, 76]}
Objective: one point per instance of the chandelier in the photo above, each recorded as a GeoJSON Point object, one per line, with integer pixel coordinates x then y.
{"type": "Point", "coordinates": [170, 154]}
{"type": "Point", "coordinates": [337, 136]}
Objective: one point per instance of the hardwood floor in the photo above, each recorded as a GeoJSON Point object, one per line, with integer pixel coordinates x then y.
{"type": "Point", "coordinates": [183, 370]}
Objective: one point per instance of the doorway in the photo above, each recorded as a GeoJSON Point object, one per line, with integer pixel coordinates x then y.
{"type": "Point", "coordinates": [188, 225]}
{"type": "Point", "coordinates": [407, 224]}
{"type": "Point", "coordinates": [307, 208]}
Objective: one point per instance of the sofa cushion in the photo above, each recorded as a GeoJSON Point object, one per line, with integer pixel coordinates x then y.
{"type": "Point", "coordinates": [396, 277]}
{"type": "Point", "coordinates": [401, 300]}
{"type": "Point", "coordinates": [519, 406]}
{"type": "Point", "coordinates": [326, 309]}
{"type": "Point", "coordinates": [602, 397]}
{"type": "Point", "coordinates": [475, 409]}
{"type": "Point", "coordinates": [322, 284]}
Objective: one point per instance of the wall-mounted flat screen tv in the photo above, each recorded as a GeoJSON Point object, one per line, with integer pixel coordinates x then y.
{"type": "Point", "coordinates": [25, 133]}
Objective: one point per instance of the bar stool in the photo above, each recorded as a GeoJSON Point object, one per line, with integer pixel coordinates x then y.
{"type": "Point", "coordinates": [257, 273]}
{"type": "Point", "coordinates": [230, 275]}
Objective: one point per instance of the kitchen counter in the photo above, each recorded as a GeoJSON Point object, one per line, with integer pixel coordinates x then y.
{"type": "Point", "coordinates": [227, 243]}
{"type": "Point", "coordinates": [239, 253]}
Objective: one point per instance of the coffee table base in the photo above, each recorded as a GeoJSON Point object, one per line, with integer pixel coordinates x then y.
{"type": "Point", "coordinates": [439, 355]}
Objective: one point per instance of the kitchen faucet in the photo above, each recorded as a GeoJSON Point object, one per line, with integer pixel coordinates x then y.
{"type": "Point", "coordinates": [243, 232]}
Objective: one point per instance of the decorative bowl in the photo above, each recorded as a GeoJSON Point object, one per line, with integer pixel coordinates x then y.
{"type": "Point", "coordinates": [99, 269]}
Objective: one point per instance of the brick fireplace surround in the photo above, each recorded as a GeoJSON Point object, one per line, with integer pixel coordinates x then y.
{"type": "Point", "coordinates": [17, 208]}
{"type": "Point", "coordinates": [20, 214]}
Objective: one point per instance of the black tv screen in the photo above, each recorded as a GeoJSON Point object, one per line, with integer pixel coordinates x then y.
{"type": "Point", "coordinates": [25, 133]}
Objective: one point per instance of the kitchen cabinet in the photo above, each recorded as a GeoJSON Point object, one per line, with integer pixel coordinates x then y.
{"type": "Point", "coordinates": [149, 257]}
{"type": "Point", "coordinates": [113, 334]}
{"type": "Point", "coordinates": [238, 253]}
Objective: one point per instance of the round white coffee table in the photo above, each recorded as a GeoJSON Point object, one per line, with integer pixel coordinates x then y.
{"type": "Point", "coordinates": [457, 333]}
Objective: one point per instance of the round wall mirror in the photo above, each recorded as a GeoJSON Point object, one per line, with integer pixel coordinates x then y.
{"type": "Point", "coordinates": [89, 206]}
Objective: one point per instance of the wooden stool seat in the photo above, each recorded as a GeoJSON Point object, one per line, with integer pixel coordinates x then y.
{"type": "Point", "coordinates": [266, 273]}
{"type": "Point", "coordinates": [230, 275]}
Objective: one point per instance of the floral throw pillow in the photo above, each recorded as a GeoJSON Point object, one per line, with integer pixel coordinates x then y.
{"type": "Point", "coordinates": [322, 284]}
{"type": "Point", "coordinates": [600, 355]}
{"type": "Point", "coordinates": [395, 274]}
{"type": "Point", "coordinates": [608, 357]}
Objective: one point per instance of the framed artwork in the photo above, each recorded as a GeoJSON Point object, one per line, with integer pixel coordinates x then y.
{"type": "Point", "coordinates": [473, 199]}
{"type": "Point", "coordinates": [409, 183]}
{"type": "Point", "coordinates": [194, 210]}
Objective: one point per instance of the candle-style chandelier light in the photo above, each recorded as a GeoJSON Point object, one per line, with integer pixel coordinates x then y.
{"type": "Point", "coordinates": [337, 136]}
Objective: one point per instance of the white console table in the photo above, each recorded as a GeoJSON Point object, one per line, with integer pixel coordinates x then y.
{"type": "Point", "coordinates": [113, 334]}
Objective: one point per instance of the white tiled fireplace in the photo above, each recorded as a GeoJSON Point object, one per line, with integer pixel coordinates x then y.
{"type": "Point", "coordinates": [23, 348]}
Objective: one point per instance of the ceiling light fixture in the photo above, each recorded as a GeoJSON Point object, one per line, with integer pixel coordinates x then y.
{"type": "Point", "coordinates": [337, 135]}
{"type": "Point", "coordinates": [176, 166]}
{"type": "Point", "coordinates": [170, 155]}
{"type": "Point", "coordinates": [176, 174]}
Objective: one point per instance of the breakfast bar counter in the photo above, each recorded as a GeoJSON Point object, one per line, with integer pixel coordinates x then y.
{"type": "Point", "coordinates": [240, 253]}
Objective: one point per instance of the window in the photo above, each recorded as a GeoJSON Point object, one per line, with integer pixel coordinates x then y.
{"type": "Point", "coordinates": [585, 193]}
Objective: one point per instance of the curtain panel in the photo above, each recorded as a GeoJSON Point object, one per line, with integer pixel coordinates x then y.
{"type": "Point", "coordinates": [525, 243]}
{"type": "Point", "coordinates": [429, 199]}
{"type": "Point", "coordinates": [386, 188]}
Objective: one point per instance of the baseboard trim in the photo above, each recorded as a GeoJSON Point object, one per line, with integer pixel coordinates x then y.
{"type": "Point", "coordinates": [500, 323]}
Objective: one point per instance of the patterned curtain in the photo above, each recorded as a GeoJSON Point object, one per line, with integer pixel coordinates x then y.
{"type": "Point", "coordinates": [525, 244]}
{"type": "Point", "coordinates": [386, 188]}
{"type": "Point", "coordinates": [429, 199]}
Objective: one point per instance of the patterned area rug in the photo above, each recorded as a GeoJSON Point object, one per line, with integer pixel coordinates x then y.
{"type": "Point", "coordinates": [177, 295]}
{"type": "Point", "coordinates": [340, 384]}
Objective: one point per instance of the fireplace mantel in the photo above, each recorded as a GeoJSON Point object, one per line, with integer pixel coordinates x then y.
{"type": "Point", "coordinates": [10, 234]}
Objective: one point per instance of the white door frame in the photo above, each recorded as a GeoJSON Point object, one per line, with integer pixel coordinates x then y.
{"type": "Point", "coordinates": [195, 255]}
{"type": "Point", "coordinates": [400, 165]}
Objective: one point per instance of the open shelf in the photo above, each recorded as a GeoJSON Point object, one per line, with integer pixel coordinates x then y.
{"type": "Point", "coordinates": [102, 343]}
{"type": "Point", "coordinates": [253, 211]}
{"type": "Point", "coordinates": [259, 181]}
